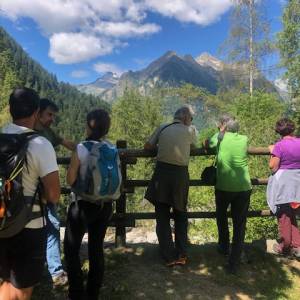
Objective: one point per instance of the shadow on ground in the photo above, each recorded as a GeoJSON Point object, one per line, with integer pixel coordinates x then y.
{"type": "Point", "coordinates": [137, 272]}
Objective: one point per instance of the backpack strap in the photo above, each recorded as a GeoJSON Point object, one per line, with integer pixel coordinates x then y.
{"type": "Point", "coordinates": [30, 136]}
{"type": "Point", "coordinates": [220, 138]}
{"type": "Point", "coordinates": [22, 157]}
{"type": "Point", "coordinates": [176, 122]}
{"type": "Point", "coordinates": [89, 145]}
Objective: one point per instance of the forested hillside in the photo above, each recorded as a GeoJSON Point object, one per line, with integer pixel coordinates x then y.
{"type": "Point", "coordinates": [18, 69]}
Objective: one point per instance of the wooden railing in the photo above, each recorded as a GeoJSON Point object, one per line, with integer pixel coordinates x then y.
{"type": "Point", "coordinates": [121, 219]}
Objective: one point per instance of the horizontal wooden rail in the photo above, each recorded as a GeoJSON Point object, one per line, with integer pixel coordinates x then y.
{"type": "Point", "coordinates": [193, 182]}
{"type": "Point", "coordinates": [191, 215]}
{"type": "Point", "coordinates": [125, 153]}
{"type": "Point", "coordinates": [132, 183]}
{"type": "Point", "coordinates": [121, 219]}
{"type": "Point", "coordinates": [130, 155]}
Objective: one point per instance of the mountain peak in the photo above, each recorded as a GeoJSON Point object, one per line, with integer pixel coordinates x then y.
{"type": "Point", "coordinates": [207, 60]}
{"type": "Point", "coordinates": [107, 81]}
{"type": "Point", "coordinates": [189, 58]}
{"type": "Point", "coordinates": [169, 54]}
{"type": "Point", "coordinates": [109, 75]}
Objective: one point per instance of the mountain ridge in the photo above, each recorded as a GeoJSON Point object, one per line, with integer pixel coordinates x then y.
{"type": "Point", "coordinates": [172, 70]}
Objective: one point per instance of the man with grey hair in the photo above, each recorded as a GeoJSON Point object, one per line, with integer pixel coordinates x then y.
{"type": "Point", "coordinates": [233, 187]}
{"type": "Point", "coordinates": [169, 185]}
{"type": "Point", "coordinates": [229, 123]}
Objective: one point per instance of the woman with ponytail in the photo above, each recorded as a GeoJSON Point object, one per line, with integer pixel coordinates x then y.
{"type": "Point", "coordinates": [86, 216]}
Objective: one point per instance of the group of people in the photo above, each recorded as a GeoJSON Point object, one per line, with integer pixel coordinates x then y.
{"type": "Point", "coordinates": [22, 255]}
{"type": "Point", "coordinates": [168, 188]}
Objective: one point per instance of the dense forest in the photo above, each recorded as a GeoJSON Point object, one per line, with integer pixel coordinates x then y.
{"type": "Point", "coordinates": [135, 116]}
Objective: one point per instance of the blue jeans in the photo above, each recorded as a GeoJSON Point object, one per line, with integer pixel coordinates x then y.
{"type": "Point", "coordinates": [53, 241]}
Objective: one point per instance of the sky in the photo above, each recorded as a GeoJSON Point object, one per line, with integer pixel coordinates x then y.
{"type": "Point", "coordinates": [80, 40]}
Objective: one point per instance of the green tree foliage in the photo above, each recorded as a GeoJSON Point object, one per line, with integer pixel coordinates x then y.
{"type": "Point", "coordinates": [8, 80]}
{"type": "Point", "coordinates": [134, 118]}
{"type": "Point", "coordinates": [205, 103]}
{"type": "Point", "coordinates": [187, 93]}
{"type": "Point", "coordinates": [289, 45]}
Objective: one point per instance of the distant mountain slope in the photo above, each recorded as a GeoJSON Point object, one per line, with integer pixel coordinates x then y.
{"type": "Point", "coordinates": [107, 81]}
{"type": "Point", "coordinates": [172, 70]}
{"type": "Point", "coordinates": [73, 104]}
{"type": "Point", "coordinates": [281, 86]}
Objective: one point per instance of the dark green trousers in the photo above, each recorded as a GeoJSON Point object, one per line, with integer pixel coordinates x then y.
{"type": "Point", "coordinates": [170, 250]}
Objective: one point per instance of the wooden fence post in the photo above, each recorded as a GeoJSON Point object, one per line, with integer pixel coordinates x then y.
{"type": "Point", "coordinates": [120, 237]}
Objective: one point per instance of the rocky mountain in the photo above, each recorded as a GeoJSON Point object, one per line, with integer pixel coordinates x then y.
{"type": "Point", "coordinates": [172, 70]}
{"type": "Point", "coordinates": [207, 60]}
{"type": "Point", "coordinates": [281, 86]}
{"type": "Point", "coordinates": [106, 82]}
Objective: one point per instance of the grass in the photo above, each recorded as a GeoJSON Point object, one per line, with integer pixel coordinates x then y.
{"type": "Point", "coordinates": [137, 272]}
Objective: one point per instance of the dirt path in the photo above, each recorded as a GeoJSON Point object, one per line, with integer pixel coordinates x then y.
{"type": "Point", "coordinates": [137, 272]}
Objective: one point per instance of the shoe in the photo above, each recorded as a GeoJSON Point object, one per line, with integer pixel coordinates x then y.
{"type": "Point", "coordinates": [60, 280]}
{"type": "Point", "coordinates": [171, 264]}
{"type": "Point", "coordinates": [276, 249]}
{"type": "Point", "coordinates": [181, 261]}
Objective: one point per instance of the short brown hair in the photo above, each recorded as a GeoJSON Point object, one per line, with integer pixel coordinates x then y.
{"type": "Point", "coordinates": [285, 126]}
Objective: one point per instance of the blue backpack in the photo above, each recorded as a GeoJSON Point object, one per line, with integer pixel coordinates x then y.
{"type": "Point", "coordinates": [103, 176]}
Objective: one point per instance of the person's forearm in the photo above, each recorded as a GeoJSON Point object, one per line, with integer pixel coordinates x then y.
{"type": "Point", "coordinates": [51, 187]}
{"type": "Point", "coordinates": [69, 145]}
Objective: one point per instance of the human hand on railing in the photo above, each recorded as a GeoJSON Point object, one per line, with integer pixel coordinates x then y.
{"type": "Point", "coordinates": [222, 128]}
{"type": "Point", "coordinates": [205, 145]}
{"type": "Point", "coordinates": [271, 147]}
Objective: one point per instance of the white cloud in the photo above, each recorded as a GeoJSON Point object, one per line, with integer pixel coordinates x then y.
{"type": "Point", "coordinates": [118, 9]}
{"type": "Point", "coordinates": [201, 12]}
{"type": "Point", "coordinates": [105, 67]}
{"type": "Point", "coordinates": [52, 16]}
{"type": "Point", "coordinates": [69, 48]}
{"type": "Point", "coordinates": [126, 29]}
{"type": "Point", "coordinates": [101, 24]}
{"type": "Point", "coordinates": [80, 74]}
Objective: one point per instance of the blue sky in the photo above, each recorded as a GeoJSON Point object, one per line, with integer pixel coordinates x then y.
{"type": "Point", "coordinates": [78, 40]}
